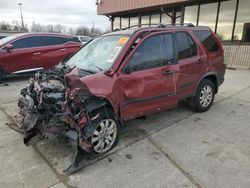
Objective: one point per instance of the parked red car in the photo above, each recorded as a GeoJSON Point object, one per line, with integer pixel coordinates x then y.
{"type": "Point", "coordinates": [26, 52]}
{"type": "Point", "coordinates": [120, 76]}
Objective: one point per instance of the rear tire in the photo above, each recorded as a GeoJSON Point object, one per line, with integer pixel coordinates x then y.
{"type": "Point", "coordinates": [204, 97]}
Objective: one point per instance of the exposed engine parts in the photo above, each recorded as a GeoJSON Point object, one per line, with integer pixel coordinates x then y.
{"type": "Point", "coordinates": [48, 106]}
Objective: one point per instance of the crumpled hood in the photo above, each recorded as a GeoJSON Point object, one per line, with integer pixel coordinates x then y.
{"type": "Point", "coordinates": [98, 84]}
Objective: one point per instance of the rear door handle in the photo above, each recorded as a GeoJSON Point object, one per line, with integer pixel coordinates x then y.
{"type": "Point", "coordinates": [37, 53]}
{"type": "Point", "coordinates": [61, 50]}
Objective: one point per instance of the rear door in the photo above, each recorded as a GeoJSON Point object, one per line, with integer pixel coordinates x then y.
{"type": "Point", "coordinates": [149, 77]}
{"type": "Point", "coordinates": [213, 50]}
{"type": "Point", "coordinates": [55, 49]}
{"type": "Point", "coordinates": [190, 62]}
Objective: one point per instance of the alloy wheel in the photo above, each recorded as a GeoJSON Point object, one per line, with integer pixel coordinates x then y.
{"type": "Point", "coordinates": [206, 96]}
{"type": "Point", "coordinates": [104, 135]}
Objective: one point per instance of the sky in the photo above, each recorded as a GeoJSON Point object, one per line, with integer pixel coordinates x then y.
{"type": "Point", "coordinates": [70, 13]}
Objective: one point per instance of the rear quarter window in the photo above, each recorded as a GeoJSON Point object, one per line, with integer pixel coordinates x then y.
{"type": "Point", "coordinates": [208, 40]}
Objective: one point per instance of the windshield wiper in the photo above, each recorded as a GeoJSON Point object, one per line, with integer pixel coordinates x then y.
{"type": "Point", "coordinates": [98, 68]}
{"type": "Point", "coordinates": [89, 71]}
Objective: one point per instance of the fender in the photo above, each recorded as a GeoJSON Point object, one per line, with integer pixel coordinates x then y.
{"type": "Point", "coordinates": [109, 102]}
{"type": "Point", "coordinates": [216, 75]}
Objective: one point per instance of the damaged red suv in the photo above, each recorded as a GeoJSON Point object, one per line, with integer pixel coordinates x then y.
{"type": "Point", "coordinates": [120, 76]}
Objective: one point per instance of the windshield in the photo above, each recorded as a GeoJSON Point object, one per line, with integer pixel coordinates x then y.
{"type": "Point", "coordinates": [100, 54]}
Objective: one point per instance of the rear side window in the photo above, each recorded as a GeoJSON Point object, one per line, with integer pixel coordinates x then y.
{"type": "Point", "coordinates": [186, 46]}
{"type": "Point", "coordinates": [50, 40]}
{"type": "Point", "coordinates": [156, 51]}
{"type": "Point", "coordinates": [208, 40]}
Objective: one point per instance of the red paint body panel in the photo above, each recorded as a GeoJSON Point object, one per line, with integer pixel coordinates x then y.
{"type": "Point", "coordinates": [44, 57]}
{"type": "Point", "coordinates": [147, 91]}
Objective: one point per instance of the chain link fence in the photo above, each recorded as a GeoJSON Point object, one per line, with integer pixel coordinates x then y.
{"type": "Point", "coordinates": [237, 56]}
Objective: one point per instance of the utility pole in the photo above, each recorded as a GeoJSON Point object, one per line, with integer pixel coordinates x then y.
{"type": "Point", "coordinates": [20, 5]}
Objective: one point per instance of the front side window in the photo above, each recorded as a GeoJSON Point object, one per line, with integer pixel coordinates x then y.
{"type": "Point", "coordinates": [156, 51]}
{"type": "Point", "coordinates": [28, 42]}
{"type": "Point", "coordinates": [208, 40]}
{"type": "Point", "coordinates": [186, 46]}
{"type": "Point", "coordinates": [99, 54]}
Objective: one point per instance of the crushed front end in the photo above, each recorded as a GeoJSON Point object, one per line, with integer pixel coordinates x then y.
{"type": "Point", "coordinates": [49, 106]}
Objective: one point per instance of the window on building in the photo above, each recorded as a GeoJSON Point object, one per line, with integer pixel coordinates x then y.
{"type": "Point", "coordinates": [28, 42]}
{"type": "Point", "coordinates": [178, 17]}
{"type": "Point", "coordinates": [186, 46]}
{"type": "Point", "coordinates": [243, 19]}
{"type": "Point", "coordinates": [156, 51]}
{"type": "Point", "coordinates": [226, 20]}
{"type": "Point", "coordinates": [166, 19]}
{"type": "Point", "coordinates": [116, 23]}
{"type": "Point", "coordinates": [191, 13]}
{"type": "Point", "coordinates": [124, 22]}
{"type": "Point", "coordinates": [155, 18]}
{"type": "Point", "coordinates": [134, 21]}
{"type": "Point", "coordinates": [208, 40]}
{"type": "Point", "coordinates": [208, 13]}
{"type": "Point", "coordinates": [145, 19]}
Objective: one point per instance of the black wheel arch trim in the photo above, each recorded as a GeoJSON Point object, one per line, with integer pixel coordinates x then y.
{"type": "Point", "coordinates": [217, 76]}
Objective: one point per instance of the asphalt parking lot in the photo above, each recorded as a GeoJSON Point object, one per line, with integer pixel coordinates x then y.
{"type": "Point", "coordinates": [176, 148]}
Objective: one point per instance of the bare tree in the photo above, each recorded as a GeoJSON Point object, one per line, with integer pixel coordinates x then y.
{"type": "Point", "coordinates": [83, 30]}
{"type": "Point", "coordinates": [5, 26]}
{"type": "Point", "coordinates": [50, 28]}
{"type": "Point", "coordinates": [37, 27]}
{"type": "Point", "coordinates": [71, 31]}
{"type": "Point", "coordinates": [58, 28]}
{"type": "Point", "coordinates": [16, 26]}
{"type": "Point", "coordinates": [94, 32]}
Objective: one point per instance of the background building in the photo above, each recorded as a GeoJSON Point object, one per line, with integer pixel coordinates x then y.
{"type": "Point", "coordinates": [229, 19]}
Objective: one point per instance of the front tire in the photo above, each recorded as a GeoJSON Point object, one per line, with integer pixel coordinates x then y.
{"type": "Point", "coordinates": [204, 97]}
{"type": "Point", "coordinates": [106, 134]}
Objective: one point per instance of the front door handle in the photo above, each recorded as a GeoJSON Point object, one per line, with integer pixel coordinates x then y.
{"type": "Point", "coordinates": [201, 60]}
{"type": "Point", "coordinates": [37, 53]}
{"type": "Point", "coordinates": [168, 72]}
{"type": "Point", "coordinates": [61, 50]}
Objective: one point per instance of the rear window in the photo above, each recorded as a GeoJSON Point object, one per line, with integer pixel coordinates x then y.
{"type": "Point", "coordinates": [208, 40]}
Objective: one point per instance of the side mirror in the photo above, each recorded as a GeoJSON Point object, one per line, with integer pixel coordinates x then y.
{"type": "Point", "coordinates": [127, 70]}
{"type": "Point", "coordinates": [8, 47]}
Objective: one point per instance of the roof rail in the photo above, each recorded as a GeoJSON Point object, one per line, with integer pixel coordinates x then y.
{"type": "Point", "coordinates": [161, 25]}
{"type": "Point", "coordinates": [139, 25]}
